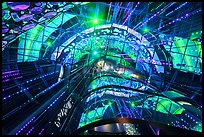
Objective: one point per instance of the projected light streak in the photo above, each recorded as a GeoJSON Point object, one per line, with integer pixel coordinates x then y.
{"type": "Point", "coordinates": [9, 96]}
{"type": "Point", "coordinates": [138, 113]}
{"type": "Point", "coordinates": [177, 8]}
{"type": "Point", "coordinates": [10, 75]}
{"type": "Point", "coordinates": [174, 21]}
{"type": "Point", "coordinates": [44, 91]}
{"type": "Point", "coordinates": [31, 100]}
{"type": "Point", "coordinates": [150, 18]}
{"type": "Point", "coordinates": [119, 8]}
{"type": "Point", "coordinates": [25, 126]}
{"type": "Point", "coordinates": [6, 80]}
{"type": "Point", "coordinates": [159, 12]}
{"type": "Point", "coordinates": [127, 5]}
{"type": "Point", "coordinates": [28, 81]}
{"type": "Point", "coordinates": [30, 131]}
{"type": "Point", "coordinates": [6, 72]}
{"type": "Point", "coordinates": [158, 6]}
{"type": "Point", "coordinates": [187, 15]}
{"type": "Point", "coordinates": [41, 131]}
{"type": "Point", "coordinates": [127, 11]}
{"type": "Point", "coordinates": [131, 13]}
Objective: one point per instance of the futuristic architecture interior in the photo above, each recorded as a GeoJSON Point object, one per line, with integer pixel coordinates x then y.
{"type": "Point", "coordinates": [101, 68]}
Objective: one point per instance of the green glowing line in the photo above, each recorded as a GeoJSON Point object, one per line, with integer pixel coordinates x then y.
{"type": "Point", "coordinates": [159, 5]}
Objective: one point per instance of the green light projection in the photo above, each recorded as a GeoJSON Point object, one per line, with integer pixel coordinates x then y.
{"type": "Point", "coordinates": [93, 115]}
{"type": "Point", "coordinates": [95, 52]}
{"type": "Point", "coordinates": [31, 35]}
{"type": "Point", "coordinates": [145, 30]}
{"type": "Point", "coordinates": [164, 105]}
{"type": "Point", "coordinates": [36, 36]}
{"type": "Point", "coordinates": [193, 37]}
{"type": "Point", "coordinates": [189, 51]}
{"type": "Point", "coordinates": [109, 103]}
{"type": "Point", "coordinates": [198, 127]}
{"type": "Point", "coordinates": [95, 21]}
{"type": "Point", "coordinates": [180, 44]}
{"type": "Point", "coordinates": [4, 5]}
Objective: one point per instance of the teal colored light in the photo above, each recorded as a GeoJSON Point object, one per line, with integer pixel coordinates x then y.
{"type": "Point", "coordinates": [4, 5]}
{"type": "Point", "coordinates": [95, 52]}
{"type": "Point", "coordinates": [92, 116]}
{"type": "Point", "coordinates": [94, 86]}
{"type": "Point", "coordinates": [157, 7]}
{"type": "Point", "coordinates": [198, 127]}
